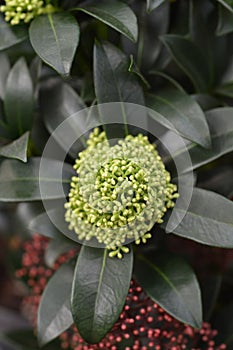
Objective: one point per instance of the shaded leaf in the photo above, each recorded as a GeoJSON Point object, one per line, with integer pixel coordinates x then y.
{"type": "Point", "coordinates": [208, 219]}
{"type": "Point", "coordinates": [189, 58]}
{"type": "Point", "coordinates": [11, 35]}
{"type": "Point", "coordinates": [225, 90]}
{"type": "Point", "coordinates": [228, 4]}
{"type": "Point", "coordinates": [225, 21]}
{"type": "Point", "coordinates": [183, 113]}
{"type": "Point", "coordinates": [43, 225]}
{"type": "Point", "coordinates": [57, 105]}
{"type": "Point", "coordinates": [220, 123]}
{"type": "Point", "coordinates": [31, 181]}
{"type": "Point", "coordinates": [55, 38]}
{"type": "Point", "coordinates": [153, 4]}
{"type": "Point", "coordinates": [19, 99]}
{"type": "Point", "coordinates": [5, 68]}
{"type": "Point", "coordinates": [171, 283]}
{"type": "Point", "coordinates": [114, 83]}
{"type": "Point", "coordinates": [98, 292]}
{"type": "Point", "coordinates": [116, 14]}
{"type": "Point", "coordinates": [17, 149]}
{"type": "Point", "coordinates": [54, 315]}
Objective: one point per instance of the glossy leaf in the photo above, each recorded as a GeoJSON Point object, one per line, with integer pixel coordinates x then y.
{"type": "Point", "coordinates": [11, 35]}
{"type": "Point", "coordinates": [208, 219]}
{"type": "Point", "coordinates": [55, 38]}
{"type": "Point", "coordinates": [116, 14]}
{"type": "Point", "coordinates": [99, 290]}
{"type": "Point", "coordinates": [57, 105]}
{"type": "Point", "coordinates": [54, 315]}
{"type": "Point", "coordinates": [153, 4]}
{"type": "Point", "coordinates": [19, 99]}
{"type": "Point", "coordinates": [27, 182]}
{"type": "Point", "coordinates": [228, 4]}
{"type": "Point", "coordinates": [171, 283]}
{"type": "Point", "coordinates": [225, 21]}
{"type": "Point", "coordinates": [5, 68]}
{"type": "Point", "coordinates": [183, 113]}
{"type": "Point", "coordinates": [114, 83]}
{"type": "Point", "coordinates": [16, 149]}
{"type": "Point", "coordinates": [220, 123]}
{"type": "Point", "coordinates": [189, 58]}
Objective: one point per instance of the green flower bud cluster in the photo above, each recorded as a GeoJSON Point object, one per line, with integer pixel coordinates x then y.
{"type": "Point", "coordinates": [119, 192]}
{"type": "Point", "coordinates": [17, 11]}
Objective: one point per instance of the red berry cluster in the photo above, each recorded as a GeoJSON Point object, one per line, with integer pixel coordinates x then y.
{"type": "Point", "coordinates": [142, 324]}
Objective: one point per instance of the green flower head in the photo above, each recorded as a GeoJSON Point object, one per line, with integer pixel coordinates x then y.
{"type": "Point", "coordinates": [119, 192]}
{"type": "Point", "coordinates": [17, 11]}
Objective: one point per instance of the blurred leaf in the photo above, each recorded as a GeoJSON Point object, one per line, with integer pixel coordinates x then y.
{"type": "Point", "coordinates": [57, 247]}
{"type": "Point", "coordinates": [208, 219]}
{"type": "Point", "coordinates": [206, 102]}
{"type": "Point", "coordinates": [19, 99]}
{"type": "Point", "coordinates": [189, 58]}
{"type": "Point", "coordinates": [11, 35]}
{"type": "Point", "coordinates": [57, 105]}
{"type": "Point", "coordinates": [54, 315]}
{"type": "Point", "coordinates": [220, 123]}
{"type": "Point", "coordinates": [153, 4]}
{"type": "Point", "coordinates": [225, 21]}
{"type": "Point", "coordinates": [29, 182]}
{"type": "Point", "coordinates": [228, 4]}
{"type": "Point", "coordinates": [4, 71]}
{"type": "Point", "coordinates": [99, 290]}
{"type": "Point", "coordinates": [27, 340]}
{"type": "Point", "coordinates": [116, 14]}
{"type": "Point", "coordinates": [55, 38]}
{"type": "Point", "coordinates": [16, 149]}
{"type": "Point", "coordinates": [43, 225]}
{"type": "Point", "coordinates": [225, 90]}
{"type": "Point", "coordinates": [183, 113]}
{"type": "Point", "coordinates": [171, 283]}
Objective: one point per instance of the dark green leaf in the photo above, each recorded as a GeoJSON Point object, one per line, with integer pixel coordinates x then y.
{"type": "Point", "coordinates": [5, 68]}
{"type": "Point", "coordinates": [99, 290]}
{"type": "Point", "coordinates": [226, 90]}
{"type": "Point", "coordinates": [57, 105]}
{"type": "Point", "coordinates": [31, 181]}
{"type": "Point", "coordinates": [55, 38]}
{"type": "Point", "coordinates": [116, 14]}
{"type": "Point", "coordinates": [54, 315]}
{"type": "Point", "coordinates": [17, 149]}
{"type": "Point", "coordinates": [220, 123]}
{"type": "Point", "coordinates": [190, 59]}
{"type": "Point", "coordinates": [19, 99]}
{"type": "Point", "coordinates": [11, 35]}
{"type": "Point", "coordinates": [225, 21]}
{"type": "Point", "coordinates": [208, 219]}
{"type": "Point", "coordinates": [183, 113]}
{"type": "Point", "coordinates": [153, 4]}
{"type": "Point", "coordinates": [113, 82]}
{"type": "Point", "coordinates": [228, 4]}
{"type": "Point", "coordinates": [171, 283]}
{"type": "Point", "coordinates": [58, 247]}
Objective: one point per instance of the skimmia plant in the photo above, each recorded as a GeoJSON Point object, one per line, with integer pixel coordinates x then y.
{"type": "Point", "coordinates": [110, 113]}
